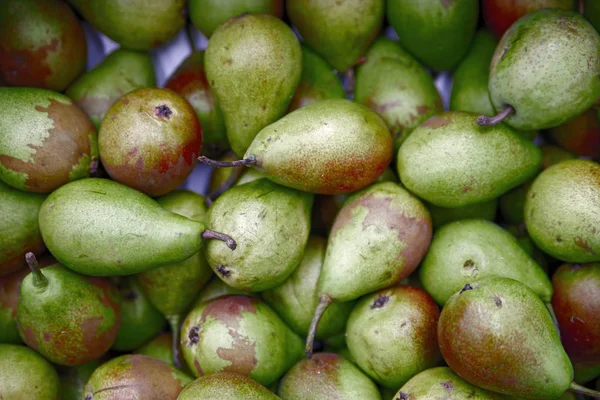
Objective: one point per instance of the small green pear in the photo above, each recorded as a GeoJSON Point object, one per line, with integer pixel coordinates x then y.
{"type": "Point", "coordinates": [226, 386]}
{"type": "Point", "coordinates": [74, 379]}
{"type": "Point", "coordinates": [441, 216]}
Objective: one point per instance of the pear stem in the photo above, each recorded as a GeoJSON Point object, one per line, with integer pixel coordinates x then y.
{"type": "Point", "coordinates": [578, 389]}
{"type": "Point", "coordinates": [39, 280]}
{"type": "Point", "coordinates": [251, 160]}
{"type": "Point", "coordinates": [349, 81]}
{"type": "Point", "coordinates": [324, 302]}
{"type": "Point", "coordinates": [231, 180]}
{"type": "Point", "coordinates": [484, 120]}
{"type": "Point", "coordinates": [174, 322]}
{"type": "Point", "coordinates": [208, 234]}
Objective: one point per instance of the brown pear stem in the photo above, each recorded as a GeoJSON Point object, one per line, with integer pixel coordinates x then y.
{"type": "Point", "coordinates": [231, 180]}
{"type": "Point", "coordinates": [349, 82]}
{"type": "Point", "coordinates": [578, 389]}
{"type": "Point", "coordinates": [324, 302]}
{"type": "Point", "coordinates": [484, 120]}
{"type": "Point", "coordinates": [251, 160]}
{"type": "Point", "coordinates": [174, 323]}
{"type": "Point", "coordinates": [39, 280]}
{"type": "Point", "coordinates": [208, 234]}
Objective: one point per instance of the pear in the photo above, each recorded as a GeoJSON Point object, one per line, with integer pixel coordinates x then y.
{"type": "Point", "coordinates": [74, 379]}
{"type": "Point", "coordinates": [437, 33]}
{"type": "Point", "coordinates": [544, 70]}
{"type": "Point", "coordinates": [340, 32]}
{"type": "Point", "coordinates": [239, 334]}
{"type": "Point", "coordinates": [392, 334]}
{"type": "Point", "coordinates": [102, 228]}
{"type": "Point", "coordinates": [394, 85]}
{"type": "Point", "coordinates": [135, 376]}
{"type": "Point", "coordinates": [470, 250]}
{"type": "Point", "coordinates": [226, 386]}
{"type": "Point", "coordinates": [253, 65]}
{"type": "Point", "coordinates": [451, 162]}
{"type": "Point", "coordinates": [161, 347]}
{"type": "Point", "coordinates": [46, 140]}
{"type": "Point", "coordinates": [121, 72]}
{"type": "Point", "coordinates": [441, 216]}
{"type": "Point", "coordinates": [591, 11]}
{"type": "Point", "coordinates": [42, 44]}
{"type": "Point", "coordinates": [268, 249]}
{"type": "Point", "coordinates": [326, 376]}
{"type": "Point", "coordinates": [26, 375]}
{"type": "Point", "coordinates": [562, 212]}
{"type": "Point", "coordinates": [580, 135]}
{"type": "Point", "coordinates": [526, 243]}
{"type": "Point", "coordinates": [217, 288]}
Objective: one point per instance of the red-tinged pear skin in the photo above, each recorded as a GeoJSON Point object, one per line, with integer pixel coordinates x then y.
{"type": "Point", "coordinates": [497, 334]}
{"type": "Point", "coordinates": [580, 135]}
{"type": "Point", "coordinates": [226, 386]}
{"type": "Point", "coordinates": [576, 303]}
{"type": "Point", "coordinates": [42, 44]}
{"type": "Point", "coordinates": [135, 376]}
{"type": "Point", "coordinates": [150, 140]}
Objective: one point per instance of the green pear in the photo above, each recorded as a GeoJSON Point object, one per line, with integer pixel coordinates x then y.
{"type": "Point", "coordinates": [250, 175]}
{"type": "Point", "coordinates": [253, 64]}
{"type": "Point", "coordinates": [340, 32]}
{"type": "Point", "coordinates": [441, 216]}
{"type": "Point", "coordinates": [45, 141]}
{"type": "Point", "coordinates": [326, 376]}
{"type": "Point", "coordinates": [239, 334]}
{"type": "Point", "coordinates": [591, 11]}
{"type": "Point", "coordinates": [394, 85]}
{"type": "Point", "coordinates": [226, 386]}
{"type": "Point", "coordinates": [161, 347]}
{"type": "Point", "coordinates": [26, 375]}
{"type": "Point", "coordinates": [217, 288]}
{"type": "Point", "coordinates": [121, 72]}
{"type": "Point", "coordinates": [438, 33]}
{"type": "Point", "coordinates": [562, 212]}
{"type": "Point", "coordinates": [102, 228]}
{"type": "Point", "coordinates": [450, 161]}
{"type": "Point", "coordinates": [272, 224]}
{"type": "Point", "coordinates": [392, 334]}
{"type": "Point", "coordinates": [526, 243]}
{"type": "Point", "coordinates": [470, 250]}
{"type": "Point", "coordinates": [544, 70]}
{"type": "Point", "coordinates": [74, 379]}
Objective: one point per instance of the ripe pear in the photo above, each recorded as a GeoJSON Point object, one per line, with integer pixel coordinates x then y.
{"type": "Point", "coordinates": [451, 161]}
{"type": "Point", "coordinates": [102, 228]}
{"type": "Point", "coordinates": [121, 72]}
{"type": "Point", "coordinates": [74, 379]}
{"type": "Point", "coordinates": [253, 65]}
{"type": "Point", "coordinates": [580, 135]}
{"type": "Point", "coordinates": [226, 386]}
{"type": "Point", "coordinates": [340, 32]}
{"type": "Point", "coordinates": [46, 140]}
{"type": "Point", "coordinates": [562, 212]}
{"type": "Point", "coordinates": [441, 216]}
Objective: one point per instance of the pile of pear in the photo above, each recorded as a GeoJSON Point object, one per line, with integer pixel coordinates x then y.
{"type": "Point", "coordinates": [364, 235]}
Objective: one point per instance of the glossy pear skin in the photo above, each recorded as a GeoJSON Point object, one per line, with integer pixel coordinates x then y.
{"type": "Point", "coordinates": [332, 146]}
{"type": "Point", "coordinates": [253, 64]}
{"type": "Point", "coordinates": [562, 213]}
{"type": "Point", "coordinates": [580, 135]}
{"type": "Point", "coordinates": [378, 238]}
{"type": "Point", "coordinates": [119, 73]}
{"type": "Point", "coordinates": [100, 227]}
{"type": "Point", "coordinates": [467, 251]}
{"type": "Point", "coordinates": [46, 140]}
{"type": "Point", "coordinates": [546, 85]}
{"type": "Point", "coordinates": [326, 376]}
{"type": "Point", "coordinates": [486, 161]}
{"type": "Point", "coordinates": [42, 44]}
{"type": "Point", "coordinates": [226, 386]}
{"type": "Point", "coordinates": [499, 336]}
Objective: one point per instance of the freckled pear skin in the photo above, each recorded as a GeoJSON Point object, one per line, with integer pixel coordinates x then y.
{"type": "Point", "coordinates": [497, 334]}
{"type": "Point", "coordinates": [226, 386]}
{"type": "Point", "coordinates": [45, 141]}
{"type": "Point", "coordinates": [253, 64]}
{"type": "Point", "coordinates": [451, 161]}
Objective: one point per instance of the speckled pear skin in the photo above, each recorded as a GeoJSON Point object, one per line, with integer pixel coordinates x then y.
{"type": "Point", "coordinates": [442, 382]}
{"type": "Point", "coordinates": [580, 135]}
{"type": "Point", "coordinates": [382, 320]}
{"type": "Point", "coordinates": [327, 376]}
{"type": "Point", "coordinates": [239, 334]}
{"type": "Point", "coordinates": [46, 140]}
{"type": "Point", "coordinates": [134, 24]}
{"type": "Point", "coordinates": [378, 238]}
{"type": "Point", "coordinates": [135, 376]}
{"type": "Point", "coordinates": [74, 379]}
{"type": "Point", "coordinates": [486, 161]}
{"type": "Point", "coordinates": [470, 250]}
{"type": "Point", "coordinates": [546, 67]}
{"type": "Point", "coordinates": [25, 375]}
{"type": "Point", "coordinates": [253, 64]}
{"type": "Point", "coordinates": [42, 44]}
{"type": "Point", "coordinates": [332, 146]}
{"type": "Point", "coordinates": [562, 212]}
{"type": "Point", "coordinates": [441, 216]}
{"type": "Point", "coordinates": [99, 227]}
{"type": "Point", "coordinates": [296, 298]}
{"type": "Point", "coordinates": [271, 223]}
{"type": "Point", "coordinates": [437, 33]}
{"type": "Point", "coordinates": [339, 31]}
{"type": "Point", "coordinates": [226, 386]}
{"type": "Point", "coordinates": [499, 335]}
{"type": "Point", "coordinates": [119, 73]}
{"type": "Point", "coordinates": [394, 85]}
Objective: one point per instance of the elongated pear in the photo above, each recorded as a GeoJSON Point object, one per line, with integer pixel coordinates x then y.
{"type": "Point", "coordinates": [226, 386]}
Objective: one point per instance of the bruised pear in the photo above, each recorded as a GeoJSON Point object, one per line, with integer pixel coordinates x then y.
{"type": "Point", "coordinates": [226, 386]}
